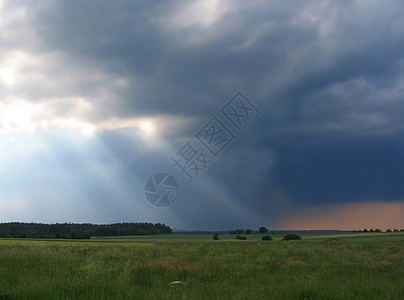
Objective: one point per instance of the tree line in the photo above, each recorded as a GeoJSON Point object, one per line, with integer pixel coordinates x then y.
{"type": "Point", "coordinates": [378, 230]}
{"type": "Point", "coordinates": [261, 230]}
{"type": "Point", "coordinates": [79, 231]}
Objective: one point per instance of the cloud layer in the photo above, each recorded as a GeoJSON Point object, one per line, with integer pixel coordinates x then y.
{"type": "Point", "coordinates": [96, 96]}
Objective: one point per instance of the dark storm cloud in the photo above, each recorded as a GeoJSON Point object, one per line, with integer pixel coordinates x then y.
{"type": "Point", "coordinates": [252, 49]}
{"type": "Point", "coordinates": [327, 77]}
{"type": "Point", "coordinates": [355, 170]}
{"type": "Point", "coordinates": [276, 55]}
{"type": "Point", "coordinates": [128, 38]}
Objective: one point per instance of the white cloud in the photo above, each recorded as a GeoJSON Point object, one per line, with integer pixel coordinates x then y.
{"type": "Point", "coordinates": [203, 13]}
{"type": "Point", "coordinates": [18, 116]}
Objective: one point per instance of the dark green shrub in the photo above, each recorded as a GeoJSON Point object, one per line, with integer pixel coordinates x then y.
{"type": "Point", "coordinates": [240, 237]}
{"type": "Point", "coordinates": [266, 238]}
{"type": "Point", "coordinates": [290, 237]}
{"type": "Point", "coordinates": [215, 237]}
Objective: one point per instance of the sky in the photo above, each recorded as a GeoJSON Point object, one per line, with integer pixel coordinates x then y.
{"type": "Point", "coordinates": [96, 97]}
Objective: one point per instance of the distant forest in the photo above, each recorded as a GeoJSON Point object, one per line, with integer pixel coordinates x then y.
{"type": "Point", "coordinates": [79, 231]}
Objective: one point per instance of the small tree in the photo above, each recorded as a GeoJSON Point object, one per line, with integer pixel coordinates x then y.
{"type": "Point", "coordinates": [248, 231]}
{"type": "Point", "coordinates": [263, 230]}
{"type": "Point", "coordinates": [266, 238]}
{"type": "Point", "coordinates": [239, 231]}
{"type": "Point", "coordinates": [215, 237]}
{"type": "Point", "coordinates": [240, 237]}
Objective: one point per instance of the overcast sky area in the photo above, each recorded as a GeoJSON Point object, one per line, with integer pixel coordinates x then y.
{"type": "Point", "coordinates": [97, 96]}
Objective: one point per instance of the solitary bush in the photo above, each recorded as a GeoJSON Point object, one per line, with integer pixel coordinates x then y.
{"type": "Point", "coordinates": [266, 238]}
{"type": "Point", "coordinates": [215, 236]}
{"type": "Point", "coordinates": [248, 231]}
{"type": "Point", "coordinates": [263, 230]}
{"type": "Point", "coordinates": [290, 237]}
{"type": "Point", "coordinates": [240, 237]}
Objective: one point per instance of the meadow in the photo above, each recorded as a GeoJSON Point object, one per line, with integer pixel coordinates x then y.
{"type": "Point", "coordinates": [342, 266]}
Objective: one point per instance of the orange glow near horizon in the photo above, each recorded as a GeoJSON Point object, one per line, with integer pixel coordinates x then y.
{"type": "Point", "coordinates": [348, 216]}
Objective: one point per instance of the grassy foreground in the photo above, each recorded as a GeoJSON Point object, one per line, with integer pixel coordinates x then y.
{"type": "Point", "coordinates": [313, 268]}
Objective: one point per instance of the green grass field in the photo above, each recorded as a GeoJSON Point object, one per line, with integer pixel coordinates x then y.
{"type": "Point", "coordinates": [341, 266]}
